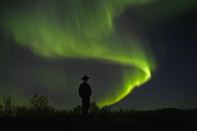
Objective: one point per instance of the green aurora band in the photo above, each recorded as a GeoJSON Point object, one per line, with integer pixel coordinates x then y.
{"type": "Point", "coordinates": [83, 30]}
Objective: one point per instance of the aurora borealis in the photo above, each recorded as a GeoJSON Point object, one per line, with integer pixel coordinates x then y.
{"type": "Point", "coordinates": [64, 40]}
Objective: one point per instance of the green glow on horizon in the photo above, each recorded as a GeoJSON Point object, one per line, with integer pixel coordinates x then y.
{"type": "Point", "coordinates": [84, 31]}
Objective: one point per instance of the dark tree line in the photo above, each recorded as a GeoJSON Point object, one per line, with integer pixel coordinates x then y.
{"type": "Point", "coordinates": [39, 106]}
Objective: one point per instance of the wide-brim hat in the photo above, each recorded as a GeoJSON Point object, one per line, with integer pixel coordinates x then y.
{"type": "Point", "coordinates": [85, 77]}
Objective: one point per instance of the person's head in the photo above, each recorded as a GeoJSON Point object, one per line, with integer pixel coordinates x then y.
{"type": "Point", "coordinates": [85, 78]}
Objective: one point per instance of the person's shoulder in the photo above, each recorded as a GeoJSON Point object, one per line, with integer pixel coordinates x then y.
{"type": "Point", "coordinates": [88, 85]}
{"type": "Point", "coordinates": [83, 84]}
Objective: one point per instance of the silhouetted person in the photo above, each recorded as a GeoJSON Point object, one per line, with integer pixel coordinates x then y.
{"type": "Point", "coordinates": [85, 93]}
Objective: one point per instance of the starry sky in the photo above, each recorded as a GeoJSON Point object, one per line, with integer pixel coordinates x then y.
{"type": "Point", "coordinates": [138, 53]}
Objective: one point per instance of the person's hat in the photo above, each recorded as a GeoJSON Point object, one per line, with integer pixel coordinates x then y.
{"type": "Point", "coordinates": [85, 77]}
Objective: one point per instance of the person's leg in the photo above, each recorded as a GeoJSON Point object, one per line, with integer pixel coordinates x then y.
{"type": "Point", "coordinates": [83, 106]}
{"type": "Point", "coordinates": [87, 104]}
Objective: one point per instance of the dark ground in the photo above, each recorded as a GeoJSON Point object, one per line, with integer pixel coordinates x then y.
{"type": "Point", "coordinates": [160, 120]}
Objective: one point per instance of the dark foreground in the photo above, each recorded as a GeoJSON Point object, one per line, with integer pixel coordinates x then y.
{"type": "Point", "coordinates": [163, 120]}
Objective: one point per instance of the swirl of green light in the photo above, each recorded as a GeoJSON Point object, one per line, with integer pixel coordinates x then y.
{"type": "Point", "coordinates": [83, 30]}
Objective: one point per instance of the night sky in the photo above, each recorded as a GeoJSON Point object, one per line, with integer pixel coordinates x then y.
{"type": "Point", "coordinates": [138, 53]}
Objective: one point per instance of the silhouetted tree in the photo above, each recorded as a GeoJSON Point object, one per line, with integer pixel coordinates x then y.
{"type": "Point", "coordinates": [22, 111]}
{"type": "Point", "coordinates": [94, 109]}
{"type": "Point", "coordinates": [61, 113]}
{"type": "Point", "coordinates": [1, 110]}
{"type": "Point", "coordinates": [40, 105]}
{"type": "Point", "coordinates": [8, 106]}
{"type": "Point", "coordinates": [76, 110]}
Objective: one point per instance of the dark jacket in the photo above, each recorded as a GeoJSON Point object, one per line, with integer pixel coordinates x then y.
{"type": "Point", "coordinates": [85, 90]}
